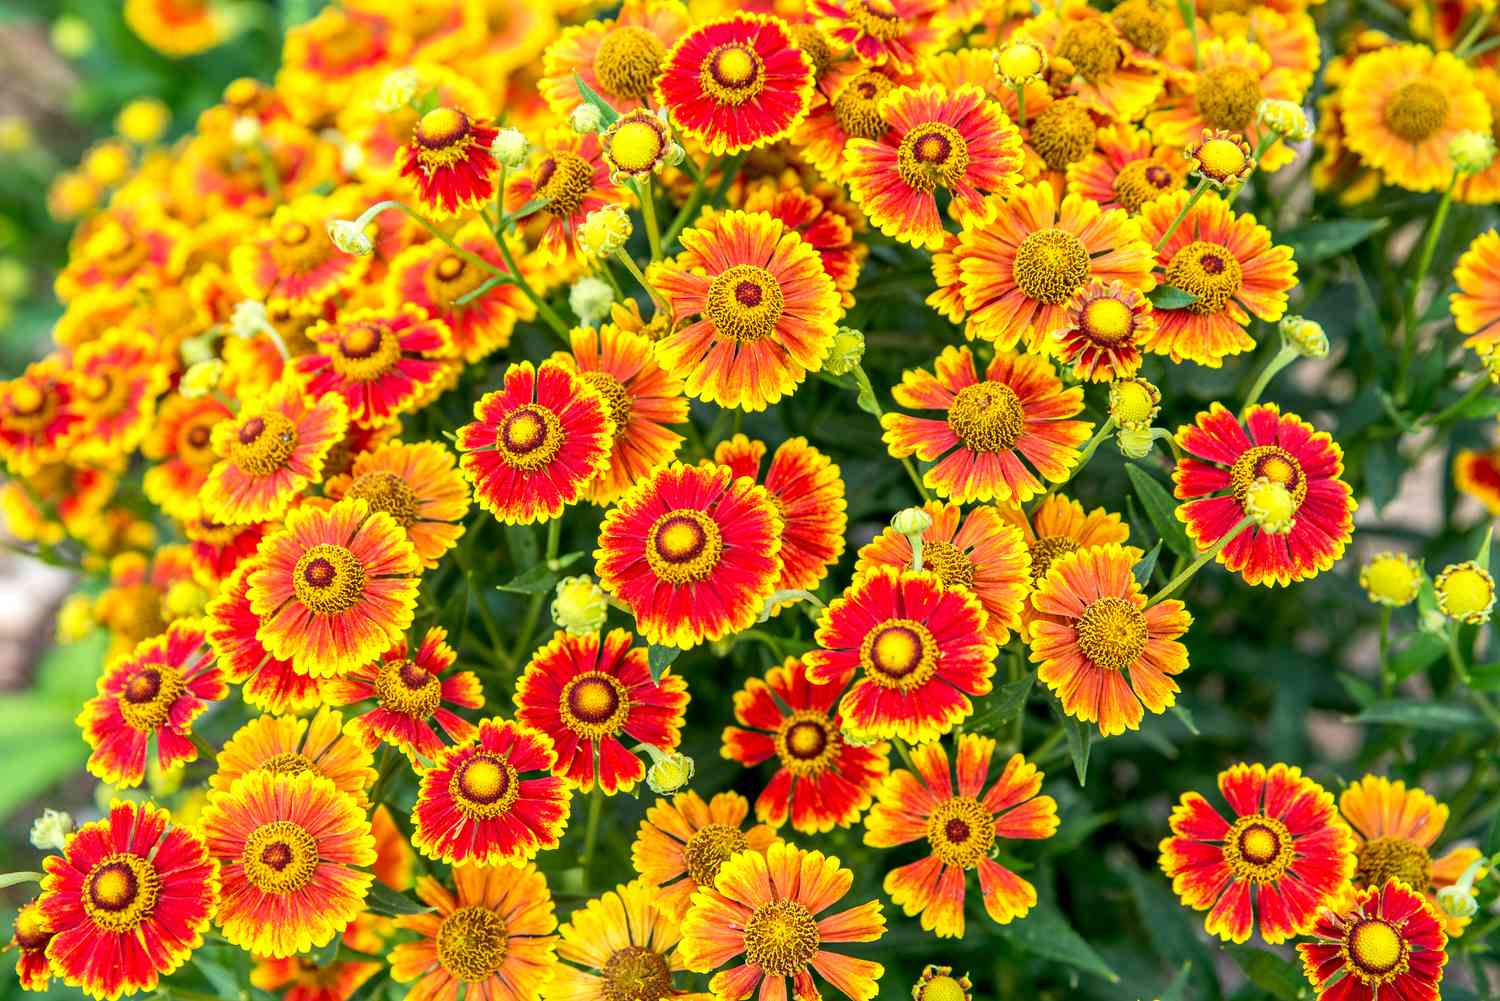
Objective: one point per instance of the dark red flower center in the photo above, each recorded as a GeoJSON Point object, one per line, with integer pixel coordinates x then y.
{"type": "Point", "coordinates": [251, 430]}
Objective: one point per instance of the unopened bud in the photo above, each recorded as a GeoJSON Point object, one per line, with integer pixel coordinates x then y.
{"type": "Point", "coordinates": [1133, 403]}
{"type": "Point", "coordinates": [669, 773]}
{"type": "Point", "coordinates": [1465, 593]}
{"type": "Point", "coordinates": [1458, 902]}
{"type": "Point", "coordinates": [1391, 579]}
{"type": "Point", "coordinates": [1135, 443]}
{"type": "Point", "coordinates": [201, 379]}
{"type": "Point", "coordinates": [591, 298]}
{"type": "Point", "coordinates": [1287, 119]}
{"type": "Point", "coordinates": [586, 118]}
{"type": "Point", "coordinates": [848, 351]}
{"type": "Point", "coordinates": [249, 319]}
{"type": "Point", "coordinates": [1021, 61]}
{"type": "Point", "coordinates": [579, 606]}
{"type": "Point", "coordinates": [245, 131]}
{"type": "Point", "coordinates": [397, 90]}
{"type": "Point", "coordinates": [1222, 158]}
{"type": "Point", "coordinates": [510, 148]}
{"type": "Point", "coordinates": [1307, 336]}
{"type": "Point", "coordinates": [350, 238]}
{"type": "Point", "coordinates": [1472, 152]}
{"type": "Point", "coordinates": [604, 231]}
{"type": "Point", "coordinates": [911, 521]}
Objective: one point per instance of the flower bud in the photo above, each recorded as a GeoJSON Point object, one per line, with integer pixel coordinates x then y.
{"type": "Point", "coordinates": [1135, 443]}
{"type": "Point", "coordinates": [1020, 61]}
{"type": "Point", "coordinates": [1458, 901]}
{"type": "Point", "coordinates": [1133, 403]}
{"type": "Point", "coordinates": [674, 155]}
{"type": "Point", "coordinates": [669, 773]}
{"type": "Point", "coordinates": [245, 131]}
{"type": "Point", "coordinates": [1222, 158]}
{"type": "Point", "coordinates": [1491, 361]}
{"type": "Point", "coordinates": [49, 832]}
{"type": "Point", "coordinates": [937, 983]}
{"type": "Point", "coordinates": [1465, 592]}
{"type": "Point", "coordinates": [350, 238]}
{"type": "Point", "coordinates": [590, 298]}
{"type": "Point", "coordinates": [1391, 579]}
{"type": "Point", "coordinates": [396, 91]}
{"type": "Point", "coordinates": [1307, 336]}
{"type": "Point", "coordinates": [579, 606]}
{"type": "Point", "coordinates": [1472, 152]}
{"type": "Point", "coordinates": [201, 379]}
{"type": "Point", "coordinates": [249, 319]}
{"type": "Point", "coordinates": [510, 148]}
{"type": "Point", "coordinates": [911, 521]}
{"type": "Point", "coordinates": [1287, 119]}
{"type": "Point", "coordinates": [585, 119]}
{"type": "Point", "coordinates": [604, 231]}
{"type": "Point", "coordinates": [72, 37]}
{"type": "Point", "coordinates": [143, 121]}
{"type": "Point", "coordinates": [1271, 506]}
{"type": "Point", "coordinates": [848, 351]}
{"type": "Point", "coordinates": [75, 619]}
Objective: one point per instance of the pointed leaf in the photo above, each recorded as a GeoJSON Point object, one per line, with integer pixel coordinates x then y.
{"type": "Point", "coordinates": [1045, 932]}
{"type": "Point", "coordinates": [1147, 565]}
{"type": "Point", "coordinates": [607, 113]}
{"type": "Point", "coordinates": [1162, 510]}
{"type": "Point", "coordinates": [1007, 702]}
{"type": "Point", "coordinates": [1171, 297]}
{"type": "Point", "coordinates": [659, 658]}
{"type": "Point", "coordinates": [384, 900]}
{"type": "Point", "coordinates": [541, 577]}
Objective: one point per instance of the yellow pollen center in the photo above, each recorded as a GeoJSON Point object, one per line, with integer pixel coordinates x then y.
{"type": "Point", "coordinates": [389, 493]}
{"type": "Point", "coordinates": [365, 352]}
{"type": "Point", "coordinates": [684, 546]}
{"type": "Point", "coordinates": [1466, 592]}
{"type": "Point", "coordinates": [961, 831]}
{"type": "Point", "coordinates": [932, 156]}
{"type": "Point", "coordinates": [1272, 463]}
{"type": "Point", "coordinates": [744, 303]}
{"type": "Point", "coordinates": [472, 943]}
{"type": "Point", "coordinates": [781, 938]}
{"type": "Point", "coordinates": [1045, 550]}
{"type": "Point", "coordinates": [1228, 96]}
{"type": "Point", "coordinates": [857, 107]}
{"type": "Point", "coordinates": [483, 786]}
{"type": "Point", "coordinates": [121, 891]}
{"type": "Point", "coordinates": [328, 579]}
{"type": "Point", "coordinates": [948, 562]}
{"type": "Point", "coordinates": [877, 18]}
{"type": "Point", "coordinates": [899, 653]}
{"type": "Point", "coordinates": [280, 857]}
{"type": "Point", "coordinates": [442, 127]}
{"type": "Point", "coordinates": [1108, 320]}
{"type": "Point", "coordinates": [987, 417]}
{"type": "Point", "coordinates": [1139, 181]}
{"type": "Point", "coordinates": [636, 147]}
{"type": "Point", "coordinates": [1112, 633]}
{"type": "Point", "coordinates": [1221, 159]}
{"type": "Point", "coordinates": [1050, 266]}
{"type": "Point", "coordinates": [732, 74]}
{"type": "Point", "coordinates": [32, 929]}
{"type": "Point", "coordinates": [1143, 23]}
{"type": "Point", "coordinates": [1258, 848]}
{"type": "Point", "coordinates": [147, 698]}
{"type": "Point", "coordinates": [594, 705]}
{"type": "Point", "coordinates": [943, 989]}
{"type": "Point", "coordinates": [627, 62]}
{"type": "Point", "coordinates": [287, 763]}
{"type": "Point", "coordinates": [565, 178]}
{"type": "Point", "coordinates": [1063, 134]}
{"type": "Point", "coordinates": [1208, 271]}
{"type": "Point", "coordinates": [26, 398]}
{"type": "Point", "coordinates": [1376, 951]}
{"type": "Point", "coordinates": [617, 399]}
{"type": "Point", "coordinates": [1380, 859]}
{"type": "Point", "coordinates": [709, 848]}
{"type": "Point", "coordinates": [807, 743]}
{"type": "Point", "coordinates": [264, 443]}
{"type": "Point", "coordinates": [1020, 61]}
{"type": "Point", "coordinates": [635, 973]}
{"type": "Point", "coordinates": [529, 437]}
{"type": "Point", "coordinates": [404, 687]}
{"type": "Point", "coordinates": [1417, 111]}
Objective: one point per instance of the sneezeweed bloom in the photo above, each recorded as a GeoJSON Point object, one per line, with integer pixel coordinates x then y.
{"type": "Point", "coordinates": [1062, 134]}
{"type": "Point", "coordinates": [736, 83]}
{"type": "Point", "coordinates": [298, 978]}
{"type": "Point", "coordinates": [1019, 409]}
{"type": "Point", "coordinates": [535, 444]}
{"type": "Point", "coordinates": [916, 652]}
{"type": "Point", "coordinates": [1391, 579]}
{"type": "Point", "coordinates": [595, 698]}
{"type": "Point", "coordinates": [938, 983]}
{"type": "Point", "coordinates": [1134, 403]}
{"type": "Point", "coordinates": [217, 549]}
{"type": "Point", "coordinates": [693, 552]}
{"type": "Point", "coordinates": [766, 310]}
{"type": "Point", "coordinates": [637, 144]}
{"type": "Point", "coordinates": [1465, 592]}
{"type": "Point", "coordinates": [821, 781]}
{"type": "Point", "coordinates": [334, 587]}
{"type": "Point", "coordinates": [1223, 459]}
{"type": "Point", "coordinates": [412, 691]}
{"type": "Point", "coordinates": [619, 945]}
{"type": "Point", "coordinates": [682, 844]}
{"type": "Point", "coordinates": [30, 934]}
{"type": "Point", "coordinates": [40, 416]}
{"type": "Point", "coordinates": [155, 691]}
{"type": "Point", "coordinates": [618, 58]}
{"type": "Point", "coordinates": [1222, 158]}
{"type": "Point", "coordinates": [765, 908]}
{"type": "Point", "coordinates": [579, 606]}
{"type": "Point", "coordinates": [288, 745]}
{"type": "Point", "coordinates": [383, 363]}
{"type": "Point", "coordinates": [1477, 472]}
{"type": "Point", "coordinates": [897, 33]}
{"type": "Point", "coordinates": [573, 176]}
{"type": "Point", "coordinates": [291, 851]}
{"type": "Point", "coordinates": [419, 486]}
{"type": "Point", "coordinates": [1106, 324]}
{"type": "Point", "coordinates": [119, 377]}
{"type": "Point", "coordinates": [1387, 942]}
{"type": "Point", "coordinates": [1285, 840]}
{"type": "Point", "coordinates": [268, 683]}
{"type": "Point", "coordinates": [490, 935]}
{"type": "Point", "coordinates": [491, 800]}
{"type": "Point", "coordinates": [1126, 169]}
{"type": "Point", "coordinates": [605, 232]}
{"type": "Point", "coordinates": [1097, 645]}
{"type": "Point", "coordinates": [962, 825]}
{"type": "Point", "coordinates": [290, 264]}
{"type": "Point", "coordinates": [1476, 304]}
{"type": "Point", "coordinates": [126, 902]}
{"type": "Point", "coordinates": [449, 162]}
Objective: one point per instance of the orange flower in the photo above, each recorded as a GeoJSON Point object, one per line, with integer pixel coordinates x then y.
{"type": "Point", "coordinates": [1126, 169]}
{"type": "Point", "coordinates": [269, 683]}
{"type": "Point", "coordinates": [1476, 304]}
{"type": "Point", "coordinates": [288, 745]}
{"type": "Point", "coordinates": [291, 264]}
{"type": "Point", "coordinates": [419, 486]}
{"type": "Point", "coordinates": [618, 58]}
{"type": "Point", "coordinates": [383, 363]}
{"type": "Point", "coordinates": [623, 946]}
{"type": "Point", "coordinates": [682, 845]}
{"type": "Point", "coordinates": [40, 416]}
{"type": "Point", "coordinates": [119, 378]}
{"type": "Point", "coordinates": [1106, 326]}
{"type": "Point", "coordinates": [572, 175]}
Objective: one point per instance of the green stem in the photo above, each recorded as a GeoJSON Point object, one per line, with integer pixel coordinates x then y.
{"type": "Point", "coordinates": [1461, 671]}
{"type": "Point", "coordinates": [388, 761]}
{"type": "Point", "coordinates": [1089, 449]}
{"type": "Point", "coordinates": [1454, 410]}
{"type": "Point", "coordinates": [640, 278]}
{"type": "Point", "coordinates": [1190, 14]}
{"type": "Point", "coordinates": [1280, 360]}
{"type": "Point", "coordinates": [591, 832]}
{"type": "Point", "coordinates": [1481, 21]}
{"type": "Point", "coordinates": [1409, 306]}
{"type": "Point", "coordinates": [644, 192]}
{"type": "Point", "coordinates": [1203, 558]}
{"type": "Point", "coordinates": [543, 310]}
{"type": "Point", "coordinates": [1387, 677]}
{"type": "Point", "coordinates": [1021, 104]}
{"type": "Point", "coordinates": [689, 208]}
{"type": "Point", "coordinates": [1186, 208]}
{"type": "Point", "coordinates": [369, 214]}
{"type": "Point", "coordinates": [865, 386]}
{"type": "Point", "coordinates": [1046, 746]}
{"type": "Point", "coordinates": [905, 753]}
{"type": "Point", "coordinates": [268, 173]}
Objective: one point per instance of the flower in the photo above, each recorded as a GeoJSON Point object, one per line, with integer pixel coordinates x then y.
{"type": "Point", "coordinates": [126, 902]}
{"type": "Point", "coordinates": [302, 979]}
{"type": "Point", "coordinates": [1386, 941]}
{"type": "Point", "coordinates": [489, 800]}
{"type": "Point", "coordinates": [1223, 458]}
{"type": "Point", "coordinates": [383, 363]}
{"type": "Point", "coordinates": [1476, 304]}
{"type": "Point", "coordinates": [736, 83]}
{"type": "Point", "coordinates": [419, 486]}
{"type": "Point", "coordinates": [1126, 169]}
{"type": "Point", "coordinates": [669, 772]}
{"type": "Point", "coordinates": [693, 552]}
{"type": "Point", "coordinates": [938, 983]}
{"type": "Point", "coordinates": [1098, 645]}
{"type": "Point", "coordinates": [579, 605]}
{"type": "Point", "coordinates": [765, 908]}
{"type": "Point", "coordinates": [821, 781]}
{"type": "Point", "coordinates": [573, 176]}
{"type": "Point", "coordinates": [1222, 158]}
{"type": "Point", "coordinates": [449, 162]}
{"type": "Point", "coordinates": [961, 825]}
{"type": "Point", "coordinates": [40, 416]}
{"type": "Point", "coordinates": [682, 845]}
{"type": "Point", "coordinates": [268, 683]}
{"type": "Point", "coordinates": [1285, 840]}
{"type": "Point", "coordinates": [290, 850]}
{"type": "Point", "coordinates": [119, 378]}
{"type": "Point", "coordinates": [1476, 472]}
{"type": "Point", "coordinates": [589, 694]}
{"type": "Point", "coordinates": [920, 650]}
{"type": "Point", "coordinates": [535, 444]}
{"type": "Point", "coordinates": [1018, 409]}
{"type": "Point", "coordinates": [604, 232]}
{"type": "Point", "coordinates": [288, 745]}
{"type": "Point", "coordinates": [619, 945]}
{"type": "Point", "coordinates": [334, 587]}
{"type": "Point", "coordinates": [1391, 579]}
{"type": "Point", "coordinates": [154, 691]}
{"type": "Point", "coordinates": [637, 144]}
{"type": "Point", "coordinates": [900, 33]}
{"type": "Point", "coordinates": [767, 310]}
{"type": "Point", "coordinates": [143, 120]}
{"type": "Point", "coordinates": [1465, 592]}
{"type": "Point", "coordinates": [958, 141]}
{"type": "Point", "coordinates": [1091, 56]}
{"type": "Point", "coordinates": [617, 58]}
{"type": "Point", "coordinates": [492, 935]}
{"type": "Point", "coordinates": [176, 29]}
{"type": "Point", "coordinates": [30, 934]}
{"type": "Point", "coordinates": [1106, 324]}
{"type": "Point", "coordinates": [290, 265]}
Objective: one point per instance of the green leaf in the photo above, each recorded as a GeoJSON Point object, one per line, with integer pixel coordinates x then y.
{"type": "Point", "coordinates": [1444, 717]}
{"type": "Point", "coordinates": [1269, 972]}
{"type": "Point", "coordinates": [1080, 737]}
{"type": "Point", "coordinates": [541, 577]}
{"type": "Point", "coordinates": [1173, 934]}
{"type": "Point", "coordinates": [1177, 990]}
{"type": "Point", "coordinates": [224, 981]}
{"type": "Point", "coordinates": [1484, 406]}
{"type": "Point", "coordinates": [1186, 718]}
{"type": "Point", "coordinates": [1482, 558]}
{"type": "Point", "coordinates": [1170, 297]}
{"type": "Point", "coordinates": [1045, 932]}
{"type": "Point", "coordinates": [520, 213]}
{"type": "Point", "coordinates": [521, 540]}
{"type": "Point", "coordinates": [607, 113]}
{"type": "Point", "coordinates": [1492, 840]}
{"type": "Point", "coordinates": [1008, 701]}
{"type": "Point", "coordinates": [384, 900]}
{"type": "Point", "coordinates": [1162, 511]}
{"type": "Point", "coordinates": [1485, 677]}
{"type": "Point", "coordinates": [1417, 655]}
{"type": "Point", "coordinates": [1147, 565]}
{"type": "Point", "coordinates": [1318, 241]}
{"type": "Point", "coordinates": [659, 658]}
{"type": "Point", "coordinates": [1382, 472]}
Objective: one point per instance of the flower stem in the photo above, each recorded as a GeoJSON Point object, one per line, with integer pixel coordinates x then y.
{"type": "Point", "coordinates": [1089, 449]}
{"type": "Point", "coordinates": [1409, 307]}
{"type": "Point", "coordinates": [369, 214]}
{"type": "Point", "coordinates": [905, 753]}
{"type": "Point", "coordinates": [591, 832]}
{"type": "Point", "coordinates": [644, 192]}
{"type": "Point", "coordinates": [1461, 671]}
{"type": "Point", "coordinates": [1481, 21]}
{"type": "Point", "coordinates": [866, 387]}
{"type": "Point", "coordinates": [1021, 104]}
{"type": "Point", "coordinates": [1203, 558]}
{"type": "Point", "coordinates": [1280, 360]}
{"type": "Point", "coordinates": [1186, 208]}
{"type": "Point", "coordinates": [1387, 677]}
{"type": "Point", "coordinates": [543, 310]}
{"type": "Point", "coordinates": [534, 606]}
{"type": "Point", "coordinates": [1456, 409]}
{"type": "Point", "coordinates": [640, 278]}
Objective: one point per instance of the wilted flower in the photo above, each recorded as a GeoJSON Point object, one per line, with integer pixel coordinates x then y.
{"type": "Point", "coordinates": [49, 832]}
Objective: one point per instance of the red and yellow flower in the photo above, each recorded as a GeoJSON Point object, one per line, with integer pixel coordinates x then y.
{"type": "Point", "coordinates": [1106, 77]}
{"type": "Point", "coordinates": [383, 363]}
{"type": "Point", "coordinates": [119, 377]}
{"type": "Point", "coordinates": [449, 162]}
{"type": "Point", "coordinates": [618, 58]}
{"type": "Point", "coordinates": [899, 33]}
{"type": "Point", "coordinates": [819, 213]}
{"type": "Point", "coordinates": [217, 549]}
{"type": "Point", "coordinates": [1387, 942]}
{"type": "Point", "coordinates": [1126, 169]}
{"type": "Point", "coordinates": [177, 28]}
{"type": "Point", "coordinates": [267, 683]}
{"type": "Point", "coordinates": [682, 845]}
{"type": "Point", "coordinates": [1476, 304]}
{"type": "Point", "coordinates": [41, 416]}
{"type": "Point", "coordinates": [620, 945]}
{"type": "Point", "coordinates": [419, 486]}
{"type": "Point", "coordinates": [1107, 324]}
{"type": "Point", "coordinates": [291, 264]}
{"type": "Point", "coordinates": [299, 978]}
{"type": "Point", "coordinates": [573, 177]}
{"type": "Point", "coordinates": [1058, 526]}
{"type": "Point", "coordinates": [30, 933]}
{"type": "Point", "coordinates": [1477, 473]}
{"type": "Point", "coordinates": [289, 746]}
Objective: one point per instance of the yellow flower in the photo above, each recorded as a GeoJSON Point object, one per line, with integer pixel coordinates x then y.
{"type": "Point", "coordinates": [1133, 403]}
{"type": "Point", "coordinates": [1271, 506]}
{"type": "Point", "coordinates": [669, 773]}
{"type": "Point", "coordinates": [604, 231]}
{"type": "Point", "coordinates": [1391, 579]}
{"type": "Point", "coordinates": [202, 378]}
{"type": "Point", "coordinates": [1465, 592]}
{"type": "Point", "coordinates": [143, 121]}
{"type": "Point", "coordinates": [580, 605]}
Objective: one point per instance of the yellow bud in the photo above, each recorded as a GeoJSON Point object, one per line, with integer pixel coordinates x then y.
{"type": "Point", "coordinates": [1133, 403]}
{"type": "Point", "coordinates": [1287, 119]}
{"type": "Point", "coordinates": [202, 378]}
{"type": "Point", "coordinates": [938, 983]}
{"type": "Point", "coordinates": [1271, 505]}
{"type": "Point", "coordinates": [848, 350]}
{"type": "Point", "coordinates": [50, 831]}
{"type": "Point", "coordinates": [107, 163]}
{"type": "Point", "coordinates": [1472, 152]}
{"type": "Point", "coordinates": [1307, 336]}
{"type": "Point", "coordinates": [1223, 158]}
{"type": "Point", "coordinates": [1020, 61]}
{"type": "Point", "coordinates": [1391, 579]}
{"type": "Point", "coordinates": [670, 773]}
{"type": "Point", "coordinates": [604, 231]}
{"type": "Point", "coordinates": [143, 121]}
{"type": "Point", "coordinates": [579, 605]}
{"type": "Point", "coordinates": [184, 600]}
{"type": "Point", "coordinates": [1465, 593]}
{"type": "Point", "coordinates": [71, 36]}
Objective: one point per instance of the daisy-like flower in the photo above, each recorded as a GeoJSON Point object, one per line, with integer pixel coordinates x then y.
{"type": "Point", "coordinates": [693, 552]}
{"type": "Point", "coordinates": [958, 141]}
{"type": "Point", "coordinates": [1098, 646]}
{"type": "Point", "coordinates": [808, 492]}
{"type": "Point", "coordinates": [119, 377]}
{"type": "Point", "coordinates": [269, 453]}
{"type": "Point", "coordinates": [127, 901]}
{"type": "Point", "coordinates": [618, 58]}
{"type": "Point", "coordinates": [334, 588]}
{"type": "Point", "coordinates": [822, 781]}
{"type": "Point", "coordinates": [736, 83]}
{"type": "Point", "coordinates": [411, 691]}
{"type": "Point", "coordinates": [591, 694]}
{"type": "Point", "coordinates": [1018, 410]}
{"type": "Point", "coordinates": [573, 176]}
{"type": "Point", "coordinates": [1017, 274]}
{"type": "Point", "coordinates": [900, 33]}
{"type": "Point", "coordinates": [217, 549]}
{"type": "Point", "coordinates": [820, 214]}
{"type": "Point", "coordinates": [1476, 304]}
{"type": "Point", "coordinates": [30, 933]}
{"type": "Point", "coordinates": [291, 264]}
{"type": "Point", "coordinates": [620, 945]}
{"type": "Point", "coordinates": [1394, 831]}
{"type": "Point", "coordinates": [1285, 853]}
{"type": "Point", "coordinates": [961, 824]}
{"type": "Point", "coordinates": [419, 486]}
{"type": "Point", "coordinates": [682, 844]}
{"type": "Point", "coordinates": [765, 310]}
{"type": "Point", "coordinates": [1126, 169]}
{"type": "Point", "coordinates": [1226, 261]}
{"type": "Point", "coordinates": [289, 746]}
{"type": "Point", "coordinates": [268, 683]}
{"type": "Point", "coordinates": [449, 162]}
{"type": "Point", "coordinates": [299, 978]}
{"type": "Point", "coordinates": [642, 399]}
{"type": "Point", "coordinates": [537, 443]}
{"type": "Point", "coordinates": [290, 848]}
{"type": "Point", "coordinates": [1224, 458]}
{"type": "Point", "coordinates": [765, 909]}
{"type": "Point", "coordinates": [178, 29]}
{"type": "Point", "coordinates": [845, 106]}
{"type": "Point", "coordinates": [383, 363]}
{"type": "Point", "coordinates": [979, 552]}
{"type": "Point", "coordinates": [129, 245]}
{"type": "Point", "coordinates": [1402, 106]}
{"type": "Point", "coordinates": [919, 649]}
{"type": "Point", "coordinates": [1106, 326]}
{"type": "Point", "coordinates": [491, 935]}
{"type": "Point", "coordinates": [491, 800]}
{"type": "Point", "coordinates": [1477, 473]}
{"type": "Point", "coordinates": [155, 691]}
{"type": "Point", "coordinates": [1387, 942]}
{"type": "Point", "coordinates": [40, 416]}
{"type": "Point", "coordinates": [1105, 77]}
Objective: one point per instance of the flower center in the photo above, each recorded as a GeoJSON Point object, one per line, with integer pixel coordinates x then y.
{"type": "Point", "coordinates": [1111, 633]}
{"type": "Point", "coordinates": [1139, 181]}
{"type": "Point", "coordinates": [194, 444]}
{"type": "Point", "coordinates": [280, 857]}
{"type": "Point", "coordinates": [961, 832]}
{"type": "Point", "coordinates": [1143, 23]}
{"type": "Point", "coordinates": [387, 492]}
{"type": "Point", "coordinates": [107, 393]}
{"type": "Point", "coordinates": [449, 279]}
{"type": "Point", "coordinates": [877, 18]}
{"type": "Point", "coordinates": [987, 416]}
{"type": "Point", "coordinates": [1417, 110]}
{"type": "Point", "coordinates": [932, 155]}
{"type": "Point", "coordinates": [287, 763]}
{"type": "Point", "coordinates": [30, 406]}
{"type": "Point", "coordinates": [1045, 550]}
{"type": "Point", "coordinates": [1208, 271]}
{"type": "Point", "coordinates": [294, 251]}
{"type": "Point", "coordinates": [637, 144]}
{"type": "Point", "coordinates": [146, 699]}
{"type": "Point", "coordinates": [744, 303]}
{"type": "Point", "coordinates": [264, 443]}
{"type": "Point", "coordinates": [709, 848]}
{"type": "Point", "coordinates": [328, 579]}
{"type": "Point", "coordinates": [627, 62]}
{"type": "Point", "coordinates": [472, 943]}
{"type": "Point", "coordinates": [1106, 321]}
{"type": "Point", "coordinates": [636, 974]}
{"type": "Point", "coordinates": [1228, 97]}
{"type": "Point", "coordinates": [1221, 159]}
{"type": "Point", "coordinates": [1050, 265]}
{"type": "Point", "coordinates": [32, 930]}
{"type": "Point", "coordinates": [857, 108]}
{"type": "Point", "coordinates": [1063, 134]}
{"type": "Point", "coordinates": [941, 988]}
{"type": "Point", "coordinates": [807, 743]}
{"type": "Point", "coordinates": [121, 891]}
{"type": "Point", "coordinates": [1375, 951]}
{"type": "Point", "coordinates": [1092, 48]}
{"type": "Point", "coordinates": [365, 352]}
{"type": "Point", "coordinates": [1272, 463]}
{"type": "Point", "coordinates": [732, 74]}
{"type": "Point", "coordinates": [1380, 859]}
{"type": "Point", "coordinates": [684, 546]}
{"type": "Point", "coordinates": [899, 653]}
{"type": "Point", "coordinates": [529, 437]}
{"type": "Point", "coordinates": [1258, 848]}
{"type": "Point", "coordinates": [948, 562]}
{"type": "Point", "coordinates": [594, 705]}
{"type": "Point", "coordinates": [441, 128]}
{"type": "Point", "coordinates": [484, 786]}
{"type": "Point", "coordinates": [616, 399]}
{"type": "Point", "coordinates": [781, 938]}
{"type": "Point", "coordinates": [565, 178]}
{"type": "Point", "coordinates": [408, 688]}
